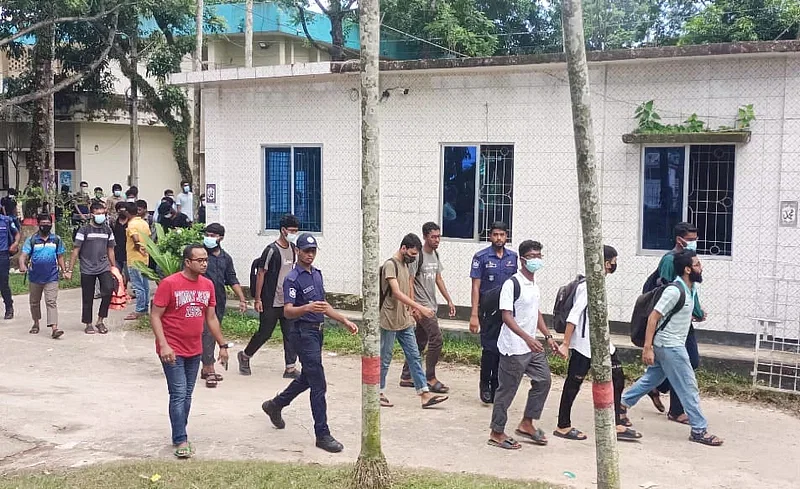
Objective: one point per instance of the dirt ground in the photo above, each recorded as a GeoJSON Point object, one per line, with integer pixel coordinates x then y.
{"type": "Point", "coordinates": [90, 399]}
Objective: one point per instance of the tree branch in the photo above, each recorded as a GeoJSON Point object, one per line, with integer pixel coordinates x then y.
{"type": "Point", "coordinates": [349, 4]}
{"type": "Point", "coordinates": [314, 43]}
{"type": "Point", "coordinates": [23, 99]}
{"type": "Point", "coordinates": [59, 20]}
{"type": "Point", "coordinates": [324, 10]}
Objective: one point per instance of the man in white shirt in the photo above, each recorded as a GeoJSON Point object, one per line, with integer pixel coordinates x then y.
{"type": "Point", "coordinates": [577, 344]}
{"type": "Point", "coordinates": [521, 353]}
{"type": "Point", "coordinates": [185, 201]}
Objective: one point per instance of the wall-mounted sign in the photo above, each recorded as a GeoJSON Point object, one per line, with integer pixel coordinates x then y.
{"type": "Point", "coordinates": [788, 214]}
{"type": "Point", "coordinates": [211, 193]}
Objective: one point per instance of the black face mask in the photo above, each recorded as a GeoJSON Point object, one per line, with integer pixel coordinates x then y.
{"type": "Point", "coordinates": [408, 259]}
{"type": "Point", "coordinates": [612, 268]}
{"type": "Point", "coordinates": [696, 277]}
{"type": "Point", "coordinates": [45, 228]}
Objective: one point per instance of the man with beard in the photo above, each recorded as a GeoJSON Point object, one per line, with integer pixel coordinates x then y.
{"type": "Point", "coordinates": [491, 267]}
{"type": "Point", "coordinates": [665, 348]}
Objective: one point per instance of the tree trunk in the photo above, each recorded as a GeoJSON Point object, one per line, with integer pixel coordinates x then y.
{"type": "Point", "coordinates": [371, 469]}
{"type": "Point", "coordinates": [40, 132]}
{"type": "Point", "coordinates": [337, 35]}
{"type": "Point", "coordinates": [248, 34]}
{"type": "Point", "coordinates": [591, 225]}
{"type": "Point", "coordinates": [198, 66]}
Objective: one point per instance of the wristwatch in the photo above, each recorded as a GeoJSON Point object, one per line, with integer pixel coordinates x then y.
{"type": "Point", "coordinates": [548, 337]}
{"type": "Point", "coordinates": [226, 345]}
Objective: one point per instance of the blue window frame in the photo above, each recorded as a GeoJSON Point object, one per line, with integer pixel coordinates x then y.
{"type": "Point", "coordinates": [293, 184]}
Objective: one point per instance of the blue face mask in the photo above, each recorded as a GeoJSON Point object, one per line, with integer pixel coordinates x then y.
{"type": "Point", "coordinates": [117, 193]}
{"type": "Point", "coordinates": [691, 245]}
{"type": "Point", "coordinates": [534, 264]}
{"type": "Point", "coordinates": [186, 189]}
{"type": "Point", "coordinates": [210, 243]}
{"type": "Point", "coordinates": [99, 218]}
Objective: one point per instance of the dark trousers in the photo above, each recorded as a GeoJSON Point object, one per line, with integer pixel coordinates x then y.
{"type": "Point", "coordinates": [209, 342]}
{"type": "Point", "coordinates": [266, 325]}
{"type": "Point", "coordinates": [429, 336]}
{"type": "Point", "coordinates": [5, 289]}
{"type": "Point", "coordinates": [512, 369]}
{"type": "Point", "coordinates": [307, 341]}
{"type": "Point", "coordinates": [490, 365]}
{"type": "Point", "coordinates": [87, 292]}
{"type": "Point", "coordinates": [675, 405]}
{"type": "Point", "coordinates": [577, 370]}
{"type": "Point", "coordinates": [181, 378]}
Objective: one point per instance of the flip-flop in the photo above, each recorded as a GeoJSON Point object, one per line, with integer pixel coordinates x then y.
{"type": "Point", "coordinates": [433, 401]}
{"type": "Point", "coordinates": [385, 402]}
{"type": "Point", "coordinates": [211, 381]}
{"type": "Point", "coordinates": [625, 421]}
{"type": "Point", "coordinates": [101, 328]}
{"type": "Point", "coordinates": [205, 375]}
{"type": "Point", "coordinates": [183, 452]}
{"type": "Point", "coordinates": [676, 419]}
{"type": "Point", "coordinates": [655, 396]}
{"type": "Point", "coordinates": [573, 434]}
{"type": "Point", "coordinates": [507, 444]}
{"type": "Point", "coordinates": [438, 388]}
{"type": "Point", "coordinates": [406, 383]}
{"type": "Point", "coordinates": [56, 334]}
{"type": "Point", "coordinates": [34, 330]}
{"type": "Point", "coordinates": [628, 435]}
{"type": "Point", "coordinates": [89, 329]}
{"type": "Point", "coordinates": [537, 438]}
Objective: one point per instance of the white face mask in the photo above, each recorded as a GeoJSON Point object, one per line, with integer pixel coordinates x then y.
{"type": "Point", "coordinates": [292, 238]}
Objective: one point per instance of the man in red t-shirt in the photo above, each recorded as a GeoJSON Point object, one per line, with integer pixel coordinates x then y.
{"type": "Point", "coordinates": [183, 301]}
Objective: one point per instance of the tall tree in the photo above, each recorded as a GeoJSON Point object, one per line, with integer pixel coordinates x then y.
{"type": "Point", "coordinates": [591, 225]}
{"type": "Point", "coordinates": [338, 13]}
{"type": "Point", "coordinates": [371, 470]}
{"type": "Point", "coordinates": [198, 109]}
{"type": "Point", "coordinates": [744, 20]}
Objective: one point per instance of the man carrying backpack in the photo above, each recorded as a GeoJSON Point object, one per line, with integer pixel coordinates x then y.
{"type": "Point", "coordinates": [685, 239]}
{"type": "Point", "coordinates": [665, 347]}
{"type": "Point", "coordinates": [491, 267]}
{"type": "Point", "coordinates": [277, 260]}
{"type": "Point", "coordinates": [427, 273]}
{"type": "Point", "coordinates": [577, 344]}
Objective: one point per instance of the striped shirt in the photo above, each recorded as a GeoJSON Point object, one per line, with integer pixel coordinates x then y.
{"type": "Point", "coordinates": [94, 242]}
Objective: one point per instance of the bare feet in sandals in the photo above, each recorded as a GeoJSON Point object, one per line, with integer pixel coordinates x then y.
{"type": "Point", "coordinates": [430, 400]}
{"type": "Point", "coordinates": [501, 440]}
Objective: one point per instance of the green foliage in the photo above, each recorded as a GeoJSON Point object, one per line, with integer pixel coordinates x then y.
{"type": "Point", "coordinates": [744, 20]}
{"type": "Point", "coordinates": [167, 253]}
{"type": "Point", "coordinates": [648, 121]}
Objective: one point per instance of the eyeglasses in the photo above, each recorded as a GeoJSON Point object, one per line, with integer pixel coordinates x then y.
{"type": "Point", "coordinates": [199, 260]}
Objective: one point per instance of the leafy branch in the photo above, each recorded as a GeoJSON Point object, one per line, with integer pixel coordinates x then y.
{"type": "Point", "coordinates": [649, 121]}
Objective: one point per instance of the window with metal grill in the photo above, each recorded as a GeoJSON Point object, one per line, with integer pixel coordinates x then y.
{"type": "Point", "coordinates": [293, 184]}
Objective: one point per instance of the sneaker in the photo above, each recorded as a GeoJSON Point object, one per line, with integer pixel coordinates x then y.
{"type": "Point", "coordinates": [329, 444]}
{"type": "Point", "coordinates": [244, 363]}
{"type": "Point", "coordinates": [291, 373]}
{"type": "Point", "coordinates": [274, 413]}
{"type": "Point", "coordinates": [9, 313]}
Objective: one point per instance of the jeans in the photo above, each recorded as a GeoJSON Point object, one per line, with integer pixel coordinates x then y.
{"type": "Point", "coordinates": [512, 369]}
{"type": "Point", "coordinates": [408, 342]}
{"type": "Point", "coordinates": [87, 292]}
{"type": "Point", "coordinates": [181, 377]}
{"type": "Point", "coordinates": [267, 321]}
{"type": "Point", "coordinates": [306, 339]}
{"type": "Point", "coordinates": [577, 370]}
{"type": "Point", "coordinates": [675, 406]}
{"type": "Point", "coordinates": [50, 291]}
{"type": "Point", "coordinates": [5, 289]}
{"type": "Point", "coordinates": [429, 336]}
{"type": "Point", "coordinates": [141, 287]}
{"type": "Point", "coordinates": [673, 364]}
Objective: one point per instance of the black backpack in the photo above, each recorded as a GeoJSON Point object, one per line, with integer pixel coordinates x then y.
{"type": "Point", "coordinates": [490, 313]}
{"type": "Point", "coordinates": [258, 264]}
{"type": "Point", "coordinates": [386, 293]}
{"type": "Point", "coordinates": [654, 280]}
{"type": "Point", "coordinates": [645, 305]}
{"type": "Point", "coordinates": [565, 299]}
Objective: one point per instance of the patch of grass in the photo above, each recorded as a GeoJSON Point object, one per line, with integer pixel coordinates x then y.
{"type": "Point", "coordinates": [464, 352]}
{"type": "Point", "coordinates": [244, 475]}
{"type": "Point", "coordinates": [15, 280]}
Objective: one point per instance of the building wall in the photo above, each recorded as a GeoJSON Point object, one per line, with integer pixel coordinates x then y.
{"type": "Point", "coordinates": [228, 52]}
{"type": "Point", "coordinates": [104, 159]}
{"type": "Point", "coordinates": [529, 107]}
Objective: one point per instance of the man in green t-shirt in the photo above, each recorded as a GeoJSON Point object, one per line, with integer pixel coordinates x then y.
{"type": "Point", "coordinates": [685, 239]}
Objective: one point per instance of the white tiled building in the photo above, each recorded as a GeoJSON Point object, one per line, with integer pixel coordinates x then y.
{"type": "Point", "coordinates": [279, 138]}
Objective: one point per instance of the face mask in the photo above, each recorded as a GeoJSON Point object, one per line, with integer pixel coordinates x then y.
{"type": "Point", "coordinates": [612, 268]}
{"type": "Point", "coordinates": [210, 242]}
{"type": "Point", "coordinates": [186, 189]}
{"type": "Point", "coordinates": [691, 245]}
{"type": "Point", "coordinates": [84, 189]}
{"type": "Point", "coordinates": [99, 218]}
{"type": "Point", "coordinates": [117, 193]}
{"type": "Point", "coordinates": [408, 259]}
{"type": "Point", "coordinates": [130, 200]}
{"type": "Point", "coordinates": [534, 264]}
{"type": "Point", "coordinates": [292, 238]}
{"type": "Point", "coordinates": [98, 195]}
{"type": "Point", "coordinates": [45, 228]}
{"type": "Point", "coordinates": [696, 277]}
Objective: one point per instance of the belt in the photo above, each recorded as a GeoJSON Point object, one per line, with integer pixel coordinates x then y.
{"type": "Point", "coordinates": [307, 324]}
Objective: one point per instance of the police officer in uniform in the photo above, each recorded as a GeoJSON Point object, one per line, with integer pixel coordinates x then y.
{"type": "Point", "coordinates": [304, 295]}
{"type": "Point", "coordinates": [491, 267]}
{"type": "Point", "coordinates": [9, 245]}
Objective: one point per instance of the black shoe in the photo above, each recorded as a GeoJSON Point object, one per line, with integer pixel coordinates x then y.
{"type": "Point", "coordinates": [487, 396]}
{"type": "Point", "coordinates": [9, 313]}
{"type": "Point", "coordinates": [291, 374]}
{"type": "Point", "coordinates": [244, 363]}
{"type": "Point", "coordinates": [274, 413]}
{"type": "Point", "coordinates": [329, 444]}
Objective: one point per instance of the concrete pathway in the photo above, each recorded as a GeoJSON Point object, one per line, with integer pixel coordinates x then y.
{"type": "Point", "coordinates": [90, 399]}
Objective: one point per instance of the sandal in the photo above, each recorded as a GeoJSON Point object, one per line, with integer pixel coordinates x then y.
{"type": "Point", "coordinates": [625, 421]}
{"type": "Point", "coordinates": [573, 434]}
{"type": "Point", "coordinates": [678, 419]}
{"type": "Point", "coordinates": [183, 452]}
{"type": "Point", "coordinates": [507, 444]}
{"type": "Point", "coordinates": [34, 329]}
{"type": "Point", "coordinates": [655, 396]}
{"type": "Point", "coordinates": [438, 388]}
{"type": "Point", "coordinates": [628, 435]}
{"type": "Point", "coordinates": [385, 402]}
{"type": "Point", "coordinates": [56, 334]}
{"type": "Point", "coordinates": [406, 383]}
{"type": "Point", "coordinates": [132, 316]}
{"type": "Point", "coordinates": [101, 328]}
{"type": "Point", "coordinates": [211, 381]}
{"type": "Point", "coordinates": [433, 401]}
{"type": "Point", "coordinates": [205, 375]}
{"type": "Point", "coordinates": [538, 438]}
{"type": "Point", "coordinates": [705, 438]}
{"type": "Point", "coordinates": [89, 329]}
